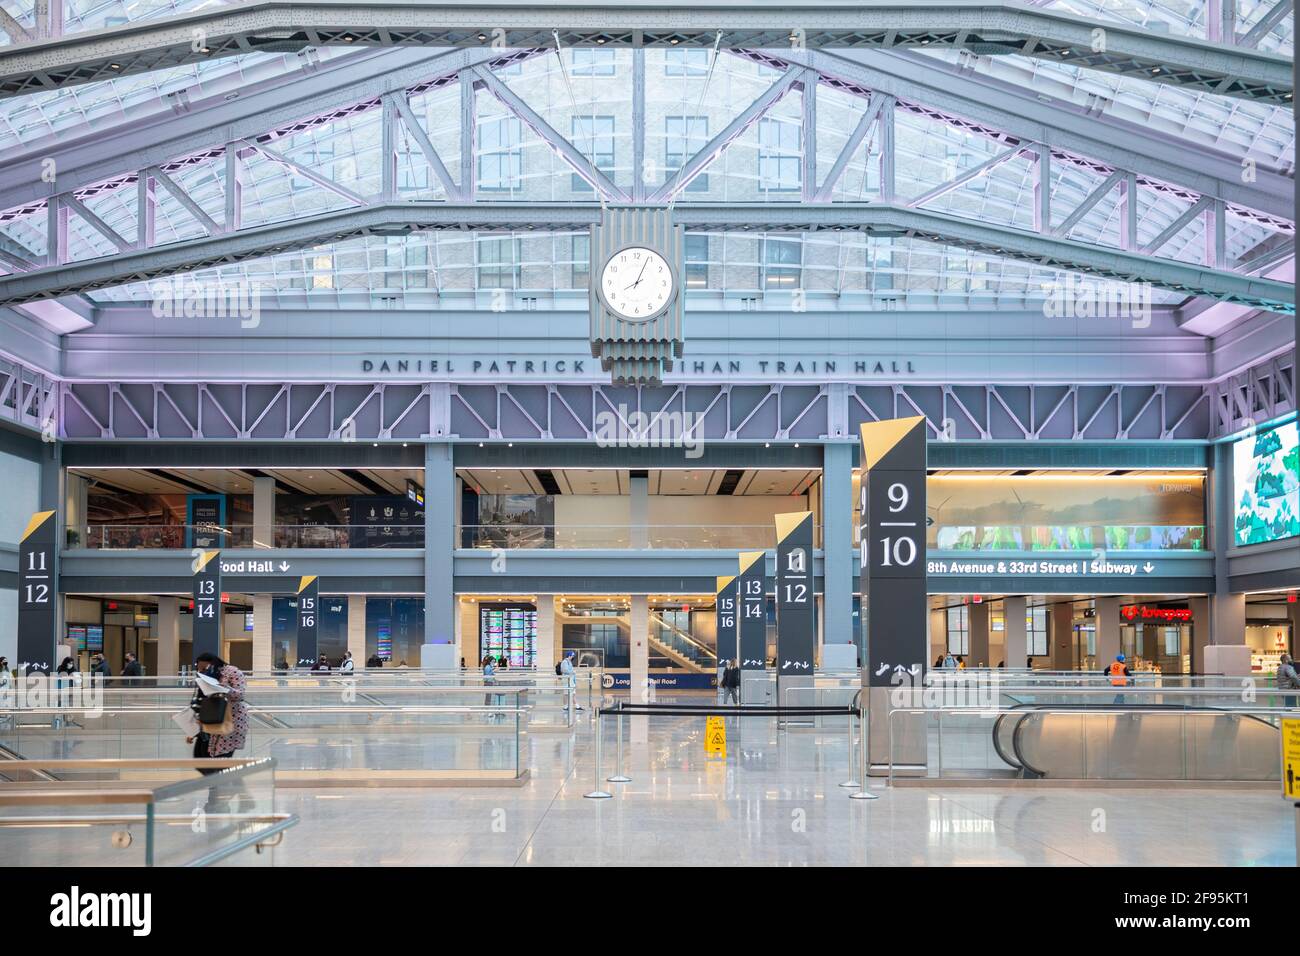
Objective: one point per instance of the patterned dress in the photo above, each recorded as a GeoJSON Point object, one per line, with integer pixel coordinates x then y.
{"type": "Point", "coordinates": [223, 745]}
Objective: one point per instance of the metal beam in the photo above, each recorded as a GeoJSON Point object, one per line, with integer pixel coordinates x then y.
{"type": "Point", "coordinates": [267, 111]}
{"type": "Point", "coordinates": [306, 173]}
{"type": "Point", "coordinates": [714, 147]}
{"type": "Point", "coordinates": [17, 32]}
{"type": "Point", "coordinates": [1266, 23]}
{"type": "Point", "coordinates": [991, 28]}
{"type": "Point", "coordinates": [975, 172]}
{"type": "Point", "coordinates": [851, 145]}
{"type": "Point", "coordinates": [583, 166]}
{"type": "Point", "coordinates": [1091, 200]}
{"type": "Point", "coordinates": [874, 219]}
{"type": "Point", "coordinates": [413, 127]}
{"type": "Point", "coordinates": [1004, 112]}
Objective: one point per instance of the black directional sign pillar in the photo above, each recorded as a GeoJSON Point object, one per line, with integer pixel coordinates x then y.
{"type": "Point", "coordinates": [796, 606]}
{"type": "Point", "coordinates": [308, 619]}
{"type": "Point", "coordinates": [892, 560]}
{"type": "Point", "coordinates": [725, 619]}
{"type": "Point", "coordinates": [37, 592]}
{"type": "Point", "coordinates": [751, 596]}
{"type": "Point", "coordinates": [207, 603]}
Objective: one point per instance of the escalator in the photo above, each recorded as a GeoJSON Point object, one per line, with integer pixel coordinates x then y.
{"type": "Point", "coordinates": [7, 754]}
{"type": "Point", "coordinates": [1118, 741]}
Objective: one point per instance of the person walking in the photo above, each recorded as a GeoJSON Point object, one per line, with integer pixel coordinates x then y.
{"type": "Point", "coordinates": [1288, 678]}
{"type": "Point", "coordinates": [99, 665]}
{"type": "Point", "coordinates": [731, 683]}
{"type": "Point", "coordinates": [1118, 673]}
{"type": "Point", "coordinates": [489, 664]}
{"type": "Point", "coordinates": [214, 746]}
{"type": "Point", "coordinates": [347, 666]}
{"type": "Point", "coordinates": [131, 669]}
{"type": "Point", "coordinates": [570, 680]}
{"type": "Point", "coordinates": [949, 662]}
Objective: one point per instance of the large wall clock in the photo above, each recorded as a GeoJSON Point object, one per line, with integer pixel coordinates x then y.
{"type": "Point", "coordinates": [637, 283]}
{"type": "Point", "coordinates": [635, 296]}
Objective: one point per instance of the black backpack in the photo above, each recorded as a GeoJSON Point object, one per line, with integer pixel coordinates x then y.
{"type": "Point", "coordinates": [559, 668]}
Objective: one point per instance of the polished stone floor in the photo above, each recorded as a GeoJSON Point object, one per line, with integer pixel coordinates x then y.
{"type": "Point", "coordinates": [775, 800]}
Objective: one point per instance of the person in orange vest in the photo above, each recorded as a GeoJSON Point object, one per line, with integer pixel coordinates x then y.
{"type": "Point", "coordinates": [1119, 675]}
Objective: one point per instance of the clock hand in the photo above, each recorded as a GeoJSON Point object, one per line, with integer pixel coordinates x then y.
{"type": "Point", "coordinates": [639, 275]}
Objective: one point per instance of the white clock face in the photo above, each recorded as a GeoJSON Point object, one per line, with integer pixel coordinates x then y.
{"type": "Point", "coordinates": [637, 283]}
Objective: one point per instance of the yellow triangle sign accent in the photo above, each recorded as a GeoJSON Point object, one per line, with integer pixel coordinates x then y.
{"type": "Point", "coordinates": [786, 523]}
{"type": "Point", "coordinates": [747, 559]}
{"type": "Point", "coordinates": [38, 519]}
{"type": "Point", "coordinates": [304, 581]}
{"type": "Point", "coordinates": [724, 580]}
{"type": "Point", "coordinates": [879, 437]}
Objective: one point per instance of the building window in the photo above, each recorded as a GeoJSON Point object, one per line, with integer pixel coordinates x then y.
{"type": "Point", "coordinates": [1036, 631]}
{"type": "Point", "coordinates": [779, 162]}
{"type": "Point", "coordinates": [697, 262]}
{"type": "Point", "coordinates": [958, 631]}
{"type": "Point", "coordinates": [500, 154]}
{"type": "Point", "coordinates": [782, 261]}
{"type": "Point", "coordinates": [686, 62]}
{"type": "Point", "coordinates": [498, 262]}
{"type": "Point", "coordinates": [594, 137]}
{"type": "Point", "coordinates": [580, 257]}
{"type": "Point", "coordinates": [589, 61]}
{"type": "Point", "coordinates": [684, 136]}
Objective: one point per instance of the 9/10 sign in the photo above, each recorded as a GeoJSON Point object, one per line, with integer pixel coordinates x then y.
{"type": "Point", "coordinates": [892, 550]}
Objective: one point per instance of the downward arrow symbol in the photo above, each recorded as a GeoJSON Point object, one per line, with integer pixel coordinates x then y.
{"type": "Point", "coordinates": [1148, 567]}
{"type": "Point", "coordinates": [284, 565]}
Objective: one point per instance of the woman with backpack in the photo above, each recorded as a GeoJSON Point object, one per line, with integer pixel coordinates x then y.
{"type": "Point", "coordinates": [205, 704]}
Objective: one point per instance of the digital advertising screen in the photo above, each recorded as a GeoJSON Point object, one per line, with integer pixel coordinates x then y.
{"type": "Point", "coordinates": [1266, 485]}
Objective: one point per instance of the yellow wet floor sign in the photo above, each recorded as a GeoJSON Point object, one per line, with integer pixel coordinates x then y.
{"type": "Point", "coordinates": [715, 736]}
{"type": "Point", "coordinates": [1290, 759]}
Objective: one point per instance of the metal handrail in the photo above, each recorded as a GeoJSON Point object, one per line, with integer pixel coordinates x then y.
{"type": "Point", "coordinates": [1112, 711]}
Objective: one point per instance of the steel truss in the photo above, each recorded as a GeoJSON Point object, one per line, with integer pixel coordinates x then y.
{"type": "Point", "coordinates": [1256, 396]}
{"type": "Point", "coordinates": [138, 257]}
{"type": "Point", "coordinates": [32, 64]}
{"type": "Point", "coordinates": [397, 218]}
{"type": "Point", "coordinates": [28, 397]}
{"type": "Point", "coordinates": [585, 412]}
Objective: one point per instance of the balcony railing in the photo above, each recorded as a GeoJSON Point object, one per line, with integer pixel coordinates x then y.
{"type": "Point", "coordinates": [628, 537]}
{"type": "Point", "coordinates": [117, 537]}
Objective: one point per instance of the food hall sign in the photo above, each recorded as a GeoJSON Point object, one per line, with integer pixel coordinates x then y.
{"type": "Point", "coordinates": [462, 367]}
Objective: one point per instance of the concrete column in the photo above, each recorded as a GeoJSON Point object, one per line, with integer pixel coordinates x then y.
{"type": "Point", "coordinates": [440, 504]}
{"type": "Point", "coordinates": [264, 512]}
{"type": "Point", "coordinates": [638, 643]}
{"type": "Point", "coordinates": [1202, 628]}
{"type": "Point", "coordinates": [356, 629]}
{"type": "Point", "coordinates": [1228, 614]}
{"type": "Point", "coordinates": [837, 543]}
{"type": "Point", "coordinates": [639, 486]}
{"type": "Point", "coordinates": [937, 624]}
{"type": "Point", "coordinates": [262, 632]}
{"type": "Point", "coordinates": [978, 617]}
{"type": "Point", "coordinates": [1107, 625]}
{"type": "Point", "coordinates": [1293, 613]}
{"type": "Point", "coordinates": [467, 636]}
{"type": "Point", "coordinates": [548, 650]}
{"type": "Point", "coordinates": [168, 637]}
{"type": "Point", "coordinates": [1062, 636]}
{"type": "Point", "coordinates": [1014, 634]}
{"type": "Point", "coordinates": [75, 519]}
{"type": "Point", "coordinates": [639, 653]}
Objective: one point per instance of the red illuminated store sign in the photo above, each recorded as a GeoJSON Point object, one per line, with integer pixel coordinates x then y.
{"type": "Point", "coordinates": [1136, 612]}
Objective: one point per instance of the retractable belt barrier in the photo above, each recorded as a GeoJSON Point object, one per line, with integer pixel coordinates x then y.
{"type": "Point", "coordinates": [623, 709]}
